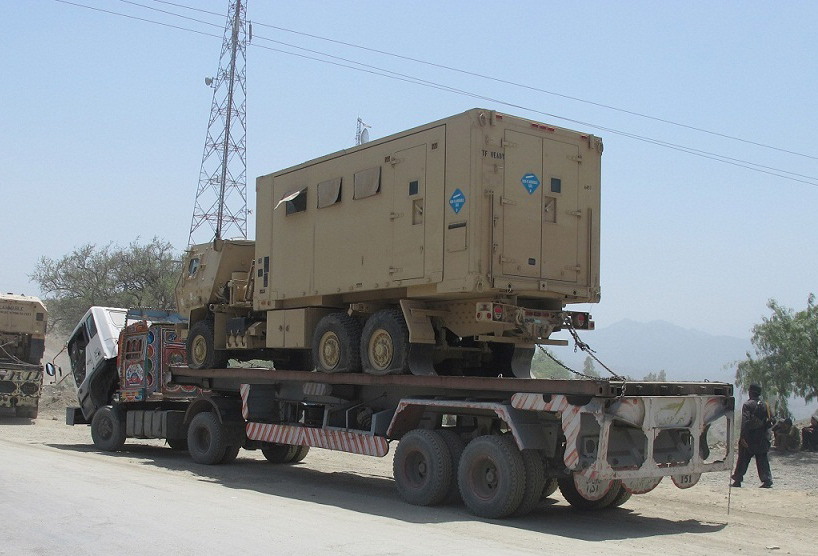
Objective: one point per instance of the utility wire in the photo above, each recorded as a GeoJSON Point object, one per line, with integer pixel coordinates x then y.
{"type": "Point", "coordinates": [509, 82]}
{"type": "Point", "coordinates": [374, 70]}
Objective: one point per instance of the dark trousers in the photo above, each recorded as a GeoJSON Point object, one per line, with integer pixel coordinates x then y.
{"type": "Point", "coordinates": [762, 464]}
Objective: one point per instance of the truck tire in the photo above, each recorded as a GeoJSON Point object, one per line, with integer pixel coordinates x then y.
{"type": "Point", "coordinates": [299, 454]}
{"type": "Point", "coordinates": [534, 482]}
{"type": "Point", "coordinates": [456, 445]}
{"type": "Point", "coordinates": [576, 499]}
{"type": "Point", "coordinates": [621, 497]}
{"type": "Point", "coordinates": [491, 476]}
{"type": "Point", "coordinates": [278, 453]}
{"type": "Point", "coordinates": [385, 344]}
{"type": "Point", "coordinates": [230, 454]}
{"type": "Point", "coordinates": [422, 468]}
{"type": "Point", "coordinates": [206, 439]}
{"type": "Point", "coordinates": [336, 344]}
{"type": "Point", "coordinates": [107, 429]}
{"type": "Point", "coordinates": [201, 349]}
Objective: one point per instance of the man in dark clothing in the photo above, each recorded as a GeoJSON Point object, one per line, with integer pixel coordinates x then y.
{"type": "Point", "coordinates": [754, 440]}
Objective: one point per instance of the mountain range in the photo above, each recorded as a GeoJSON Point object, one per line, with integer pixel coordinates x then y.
{"type": "Point", "coordinates": [637, 348]}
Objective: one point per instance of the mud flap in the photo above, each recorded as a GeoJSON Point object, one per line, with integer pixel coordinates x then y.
{"type": "Point", "coordinates": [420, 359]}
{"type": "Point", "coordinates": [521, 362]}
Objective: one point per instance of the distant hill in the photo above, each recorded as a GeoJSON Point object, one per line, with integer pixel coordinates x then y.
{"type": "Point", "coordinates": [638, 348]}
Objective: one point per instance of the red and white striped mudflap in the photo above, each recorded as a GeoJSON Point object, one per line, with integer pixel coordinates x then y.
{"type": "Point", "coordinates": [339, 440]}
{"type": "Point", "coordinates": [571, 419]}
{"type": "Point", "coordinates": [244, 390]}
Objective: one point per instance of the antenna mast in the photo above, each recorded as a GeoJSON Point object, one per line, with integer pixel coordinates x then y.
{"type": "Point", "coordinates": [221, 198]}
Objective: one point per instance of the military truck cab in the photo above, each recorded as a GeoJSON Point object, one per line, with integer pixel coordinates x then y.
{"type": "Point", "coordinates": [92, 350]}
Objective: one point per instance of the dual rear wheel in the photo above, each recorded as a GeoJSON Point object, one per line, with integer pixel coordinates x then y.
{"type": "Point", "coordinates": [379, 347]}
{"type": "Point", "coordinates": [492, 476]}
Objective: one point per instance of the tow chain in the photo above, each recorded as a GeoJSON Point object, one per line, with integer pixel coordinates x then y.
{"type": "Point", "coordinates": [579, 344]}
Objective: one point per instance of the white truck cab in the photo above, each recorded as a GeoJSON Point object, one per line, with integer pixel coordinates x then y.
{"type": "Point", "coordinates": [92, 349]}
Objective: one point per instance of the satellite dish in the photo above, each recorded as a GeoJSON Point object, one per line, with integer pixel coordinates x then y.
{"type": "Point", "coordinates": [208, 81]}
{"type": "Point", "coordinates": [364, 136]}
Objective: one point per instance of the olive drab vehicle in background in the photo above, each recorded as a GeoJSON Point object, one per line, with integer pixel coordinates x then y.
{"type": "Point", "coordinates": [452, 248]}
{"type": "Point", "coordinates": [23, 321]}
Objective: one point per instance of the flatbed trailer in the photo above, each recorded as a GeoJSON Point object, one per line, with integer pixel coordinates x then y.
{"type": "Point", "coordinates": [498, 443]}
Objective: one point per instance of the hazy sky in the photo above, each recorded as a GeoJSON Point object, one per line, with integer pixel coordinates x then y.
{"type": "Point", "coordinates": [105, 118]}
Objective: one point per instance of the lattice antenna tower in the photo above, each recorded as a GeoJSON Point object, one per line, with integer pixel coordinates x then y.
{"type": "Point", "coordinates": [220, 210]}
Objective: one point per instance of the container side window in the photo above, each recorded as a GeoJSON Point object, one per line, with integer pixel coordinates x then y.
{"type": "Point", "coordinates": [367, 183]}
{"type": "Point", "coordinates": [329, 192]}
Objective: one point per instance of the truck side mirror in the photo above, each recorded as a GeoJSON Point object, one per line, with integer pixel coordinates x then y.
{"type": "Point", "coordinates": [49, 369]}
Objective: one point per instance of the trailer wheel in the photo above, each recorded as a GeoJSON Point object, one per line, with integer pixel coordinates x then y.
{"type": "Point", "coordinates": [569, 491]}
{"type": "Point", "coordinates": [534, 482]}
{"type": "Point", "coordinates": [422, 468]}
{"type": "Point", "coordinates": [491, 476]}
{"type": "Point", "coordinates": [336, 344]}
{"type": "Point", "coordinates": [549, 488]}
{"type": "Point", "coordinates": [201, 349]}
{"type": "Point", "coordinates": [621, 497]}
{"type": "Point", "coordinates": [107, 430]}
{"type": "Point", "coordinates": [385, 344]}
{"type": "Point", "coordinates": [278, 453]}
{"type": "Point", "coordinates": [206, 439]}
{"type": "Point", "coordinates": [230, 454]}
{"type": "Point", "coordinates": [456, 445]}
{"type": "Point", "coordinates": [299, 454]}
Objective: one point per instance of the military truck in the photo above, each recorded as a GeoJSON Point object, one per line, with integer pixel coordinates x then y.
{"type": "Point", "coordinates": [23, 321]}
{"type": "Point", "coordinates": [452, 248]}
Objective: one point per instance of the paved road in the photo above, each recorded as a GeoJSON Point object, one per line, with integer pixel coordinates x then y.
{"type": "Point", "coordinates": [59, 496]}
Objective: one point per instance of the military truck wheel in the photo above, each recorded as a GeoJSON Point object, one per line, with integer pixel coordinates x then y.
{"type": "Point", "coordinates": [491, 476]}
{"type": "Point", "coordinates": [278, 453]}
{"type": "Point", "coordinates": [422, 468]}
{"type": "Point", "coordinates": [534, 482]}
{"type": "Point", "coordinates": [206, 439]}
{"type": "Point", "coordinates": [385, 344]}
{"type": "Point", "coordinates": [107, 430]}
{"type": "Point", "coordinates": [201, 350]}
{"type": "Point", "coordinates": [230, 454]}
{"type": "Point", "coordinates": [336, 344]}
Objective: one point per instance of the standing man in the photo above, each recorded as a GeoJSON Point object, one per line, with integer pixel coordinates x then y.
{"type": "Point", "coordinates": [754, 440]}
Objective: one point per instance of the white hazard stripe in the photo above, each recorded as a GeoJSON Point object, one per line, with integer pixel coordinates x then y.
{"type": "Point", "coordinates": [244, 389]}
{"type": "Point", "coordinates": [342, 441]}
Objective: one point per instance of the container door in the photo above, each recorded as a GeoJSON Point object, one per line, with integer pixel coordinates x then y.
{"type": "Point", "coordinates": [561, 215]}
{"type": "Point", "coordinates": [522, 205]}
{"type": "Point", "coordinates": [408, 213]}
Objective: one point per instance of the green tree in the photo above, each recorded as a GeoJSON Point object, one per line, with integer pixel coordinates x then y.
{"type": "Point", "coordinates": [543, 366]}
{"type": "Point", "coordinates": [661, 376]}
{"type": "Point", "coordinates": [588, 367]}
{"type": "Point", "coordinates": [134, 276]}
{"type": "Point", "coordinates": [785, 362]}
